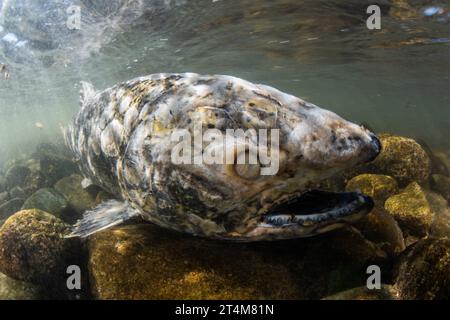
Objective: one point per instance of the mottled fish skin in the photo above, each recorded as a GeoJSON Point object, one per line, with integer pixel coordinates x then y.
{"type": "Point", "coordinates": [122, 138]}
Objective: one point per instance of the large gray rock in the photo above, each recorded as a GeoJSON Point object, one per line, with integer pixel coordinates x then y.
{"type": "Point", "coordinates": [4, 196]}
{"type": "Point", "coordinates": [17, 192]}
{"type": "Point", "coordinates": [10, 207]}
{"type": "Point", "coordinates": [77, 197]}
{"type": "Point", "coordinates": [48, 200]}
{"type": "Point", "coordinates": [16, 176]}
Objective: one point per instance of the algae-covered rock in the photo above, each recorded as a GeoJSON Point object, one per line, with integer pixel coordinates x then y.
{"type": "Point", "coordinates": [411, 209]}
{"type": "Point", "coordinates": [403, 159]}
{"type": "Point", "coordinates": [79, 199]}
{"type": "Point", "coordinates": [147, 262]}
{"type": "Point", "coordinates": [48, 200]}
{"type": "Point", "coordinates": [11, 289]}
{"type": "Point", "coordinates": [441, 184]}
{"type": "Point", "coordinates": [33, 249]}
{"type": "Point", "coordinates": [386, 292]}
{"type": "Point", "coordinates": [381, 228]}
{"type": "Point", "coordinates": [422, 272]}
{"type": "Point", "coordinates": [379, 187]}
{"type": "Point", "coordinates": [10, 207]}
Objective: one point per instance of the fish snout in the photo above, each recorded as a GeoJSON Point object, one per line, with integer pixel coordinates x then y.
{"type": "Point", "coordinates": [374, 147]}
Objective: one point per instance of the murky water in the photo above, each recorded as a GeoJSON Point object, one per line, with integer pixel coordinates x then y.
{"type": "Point", "coordinates": [395, 79]}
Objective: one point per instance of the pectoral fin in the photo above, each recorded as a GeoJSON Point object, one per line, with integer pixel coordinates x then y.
{"type": "Point", "coordinates": [105, 215]}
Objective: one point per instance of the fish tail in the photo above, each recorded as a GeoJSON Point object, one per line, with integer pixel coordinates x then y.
{"type": "Point", "coordinates": [105, 215]}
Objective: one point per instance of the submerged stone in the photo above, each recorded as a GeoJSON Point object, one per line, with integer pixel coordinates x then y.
{"type": "Point", "coordinates": [48, 200]}
{"type": "Point", "coordinates": [4, 196]}
{"type": "Point", "coordinates": [2, 183]}
{"type": "Point", "coordinates": [11, 289]}
{"type": "Point", "coordinates": [422, 272]}
{"type": "Point", "coordinates": [147, 262]}
{"type": "Point", "coordinates": [381, 228]}
{"type": "Point", "coordinates": [412, 210]}
{"type": "Point", "coordinates": [444, 159]}
{"type": "Point", "coordinates": [17, 192]}
{"type": "Point", "coordinates": [403, 159]}
{"type": "Point", "coordinates": [10, 207]}
{"type": "Point", "coordinates": [16, 176]}
{"type": "Point", "coordinates": [33, 249]}
{"type": "Point", "coordinates": [379, 187]}
{"type": "Point", "coordinates": [441, 223]}
{"type": "Point", "coordinates": [78, 198]}
{"type": "Point", "coordinates": [441, 184]}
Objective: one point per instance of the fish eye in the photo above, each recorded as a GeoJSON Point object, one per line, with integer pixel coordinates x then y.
{"type": "Point", "coordinates": [245, 169]}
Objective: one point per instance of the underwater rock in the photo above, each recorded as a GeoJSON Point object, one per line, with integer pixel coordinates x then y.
{"type": "Point", "coordinates": [4, 196]}
{"type": "Point", "coordinates": [16, 176]}
{"type": "Point", "coordinates": [54, 163]}
{"type": "Point", "coordinates": [102, 196]}
{"type": "Point", "coordinates": [48, 200]}
{"type": "Point", "coordinates": [17, 192]}
{"type": "Point", "coordinates": [422, 271]}
{"type": "Point", "coordinates": [147, 262]}
{"type": "Point", "coordinates": [337, 261]}
{"type": "Point", "coordinates": [10, 207]}
{"type": "Point", "coordinates": [441, 184]}
{"type": "Point", "coordinates": [411, 209]}
{"type": "Point", "coordinates": [381, 228]}
{"type": "Point", "coordinates": [441, 223]}
{"type": "Point", "coordinates": [387, 292]}
{"type": "Point", "coordinates": [379, 187]}
{"type": "Point", "coordinates": [33, 249]}
{"type": "Point", "coordinates": [403, 159]}
{"type": "Point", "coordinates": [2, 183]}
{"type": "Point", "coordinates": [78, 198]}
{"type": "Point", "coordinates": [11, 289]}
{"type": "Point", "coordinates": [444, 159]}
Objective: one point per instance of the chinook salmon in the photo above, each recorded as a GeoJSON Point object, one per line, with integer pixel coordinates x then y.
{"type": "Point", "coordinates": [123, 140]}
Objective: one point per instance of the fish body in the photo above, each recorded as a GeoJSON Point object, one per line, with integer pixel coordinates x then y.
{"type": "Point", "coordinates": [123, 140]}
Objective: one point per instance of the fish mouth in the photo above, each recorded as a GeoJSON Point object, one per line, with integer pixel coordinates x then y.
{"type": "Point", "coordinates": [316, 209]}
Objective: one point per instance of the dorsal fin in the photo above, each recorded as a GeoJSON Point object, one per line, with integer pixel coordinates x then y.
{"type": "Point", "coordinates": [87, 92]}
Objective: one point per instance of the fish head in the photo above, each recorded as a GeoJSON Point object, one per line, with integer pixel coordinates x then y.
{"type": "Point", "coordinates": [259, 154]}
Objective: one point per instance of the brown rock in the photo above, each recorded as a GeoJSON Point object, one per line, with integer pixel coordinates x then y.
{"type": "Point", "coordinates": [422, 272]}
{"type": "Point", "coordinates": [379, 187]}
{"type": "Point", "coordinates": [412, 210]}
{"type": "Point", "coordinates": [382, 229]}
{"type": "Point", "coordinates": [147, 262]}
{"type": "Point", "coordinates": [33, 249]}
{"type": "Point", "coordinates": [403, 159]}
